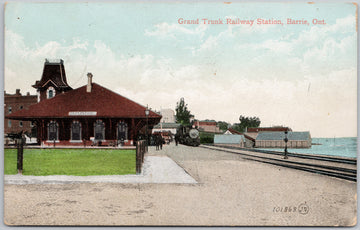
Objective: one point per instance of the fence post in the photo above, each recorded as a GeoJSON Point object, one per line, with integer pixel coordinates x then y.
{"type": "Point", "coordinates": [141, 149]}
{"type": "Point", "coordinates": [137, 158]}
{"type": "Point", "coordinates": [20, 154]}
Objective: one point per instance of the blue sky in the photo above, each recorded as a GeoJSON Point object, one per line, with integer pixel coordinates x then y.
{"type": "Point", "coordinates": [302, 76]}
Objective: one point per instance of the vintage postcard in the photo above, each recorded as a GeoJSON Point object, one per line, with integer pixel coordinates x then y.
{"type": "Point", "coordinates": [180, 114]}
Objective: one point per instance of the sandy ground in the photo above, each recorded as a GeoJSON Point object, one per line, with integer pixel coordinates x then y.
{"type": "Point", "coordinates": [231, 191]}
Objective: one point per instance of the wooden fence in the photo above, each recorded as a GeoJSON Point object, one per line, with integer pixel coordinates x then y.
{"type": "Point", "coordinates": [141, 149]}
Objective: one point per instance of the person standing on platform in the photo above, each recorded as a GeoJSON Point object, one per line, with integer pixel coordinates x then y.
{"type": "Point", "coordinates": [157, 142]}
{"type": "Point", "coordinates": [161, 140]}
{"type": "Point", "coordinates": [176, 140]}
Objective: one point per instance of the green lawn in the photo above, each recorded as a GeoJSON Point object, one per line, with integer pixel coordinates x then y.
{"type": "Point", "coordinates": [79, 162]}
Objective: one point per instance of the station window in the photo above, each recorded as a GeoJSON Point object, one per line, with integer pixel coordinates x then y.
{"type": "Point", "coordinates": [20, 124]}
{"type": "Point", "coordinates": [76, 131]}
{"type": "Point", "coordinates": [9, 124]}
{"type": "Point", "coordinates": [122, 132]}
{"type": "Point", "coordinates": [10, 109]}
{"type": "Point", "coordinates": [99, 130]}
{"type": "Point", "coordinates": [21, 107]}
{"type": "Point", "coordinates": [53, 131]}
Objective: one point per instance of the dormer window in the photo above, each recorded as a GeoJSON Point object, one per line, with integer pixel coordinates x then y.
{"type": "Point", "coordinates": [50, 93]}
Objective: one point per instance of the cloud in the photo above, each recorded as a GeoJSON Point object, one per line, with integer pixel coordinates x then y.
{"type": "Point", "coordinates": [165, 29]}
{"type": "Point", "coordinates": [210, 44]}
{"type": "Point", "coordinates": [291, 81]}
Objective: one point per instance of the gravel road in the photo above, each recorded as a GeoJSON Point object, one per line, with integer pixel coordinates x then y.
{"type": "Point", "coordinates": [230, 191]}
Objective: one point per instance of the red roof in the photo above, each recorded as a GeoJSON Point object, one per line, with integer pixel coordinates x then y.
{"type": "Point", "coordinates": [233, 131]}
{"type": "Point", "coordinates": [268, 129]}
{"type": "Point", "coordinates": [100, 102]}
{"type": "Point", "coordinates": [209, 123]}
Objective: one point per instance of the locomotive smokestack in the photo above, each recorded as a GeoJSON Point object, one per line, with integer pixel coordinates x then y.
{"type": "Point", "coordinates": [88, 87]}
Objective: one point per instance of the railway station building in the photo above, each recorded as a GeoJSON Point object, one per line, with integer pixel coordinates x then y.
{"type": "Point", "coordinates": [88, 115]}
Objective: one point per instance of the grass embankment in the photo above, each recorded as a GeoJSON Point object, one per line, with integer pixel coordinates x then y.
{"type": "Point", "coordinates": [77, 162]}
{"type": "Point", "coordinates": [206, 138]}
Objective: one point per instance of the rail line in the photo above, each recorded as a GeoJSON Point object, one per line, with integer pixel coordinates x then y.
{"type": "Point", "coordinates": [299, 155]}
{"type": "Point", "coordinates": [340, 171]}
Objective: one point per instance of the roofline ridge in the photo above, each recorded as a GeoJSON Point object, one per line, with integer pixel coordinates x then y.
{"type": "Point", "coordinates": [125, 98]}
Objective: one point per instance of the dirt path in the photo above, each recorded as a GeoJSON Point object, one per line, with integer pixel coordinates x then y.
{"type": "Point", "coordinates": [231, 191]}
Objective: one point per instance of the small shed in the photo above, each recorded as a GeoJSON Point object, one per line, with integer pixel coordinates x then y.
{"type": "Point", "coordinates": [229, 140]}
{"type": "Point", "coordinates": [276, 140]}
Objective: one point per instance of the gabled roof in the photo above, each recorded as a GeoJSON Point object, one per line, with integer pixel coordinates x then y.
{"type": "Point", "coordinates": [228, 139]}
{"type": "Point", "coordinates": [53, 74]}
{"type": "Point", "coordinates": [251, 136]}
{"type": "Point", "coordinates": [233, 131]}
{"type": "Point", "coordinates": [277, 136]}
{"type": "Point", "coordinates": [100, 102]}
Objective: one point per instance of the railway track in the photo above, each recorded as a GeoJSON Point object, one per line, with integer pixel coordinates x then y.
{"type": "Point", "coordinates": [338, 167]}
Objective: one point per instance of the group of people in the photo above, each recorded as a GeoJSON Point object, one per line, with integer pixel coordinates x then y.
{"type": "Point", "coordinates": [159, 141]}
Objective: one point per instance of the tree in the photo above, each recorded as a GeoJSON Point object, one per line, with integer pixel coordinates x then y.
{"type": "Point", "coordinates": [223, 125]}
{"type": "Point", "coordinates": [246, 122]}
{"type": "Point", "coordinates": [182, 113]}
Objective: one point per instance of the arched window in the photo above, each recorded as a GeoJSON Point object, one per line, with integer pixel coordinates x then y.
{"type": "Point", "coordinates": [50, 92]}
{"type": "Point", "coordinates": [99, 130]}
{"type": "Point", "coordinates": [122, 131]}
{"type": "Point", "coordinates": [76, 131]}
{"type": "Point", "coordinates": [53, 131]}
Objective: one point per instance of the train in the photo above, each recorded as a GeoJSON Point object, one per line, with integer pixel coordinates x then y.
{"type": "Point", "coordinates": [187, 135]}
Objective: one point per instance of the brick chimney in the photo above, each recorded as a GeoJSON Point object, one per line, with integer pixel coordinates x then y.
{"type": "Point", "coordinates": [18, 92]}
{"type": "Point", "coordinates": [88, 87]}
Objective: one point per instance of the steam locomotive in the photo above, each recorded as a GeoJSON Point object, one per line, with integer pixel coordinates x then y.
{"type": "Point", "coordinates": [187, 135]}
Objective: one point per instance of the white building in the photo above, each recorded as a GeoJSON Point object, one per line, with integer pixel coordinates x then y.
{"type": "Point", "coordinates": [168, 116]}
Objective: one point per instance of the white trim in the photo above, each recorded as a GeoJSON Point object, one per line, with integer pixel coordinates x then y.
{"type": "Point", "coordinates": [82, 113]}
{"type": "Point", "coordinates": [76, 141]}
{"type": "Point", "coordinates": [50, 141]}
{"type": "Point", "coordinates": [47, 82]}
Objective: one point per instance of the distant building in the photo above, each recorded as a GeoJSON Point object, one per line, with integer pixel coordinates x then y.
{"type": "Point", "coordinates": [207, 126]}
{"type": "Point", "coordinates": [276, 140]}
{"type": "Point", "coordinates": [166, 127]}
{"type": "Point", "coordinates": [229, 140]}
{"type": "Point", "coordinates": [253, 132]}
{"type": "Point", "coordinates": [168, 116]}
{"type": "Point", "coordinates": [267, 129]}
{"type": "Point", "coordinates": [249, 140]}
{"type": "Point", "coordinates": [14, 103]}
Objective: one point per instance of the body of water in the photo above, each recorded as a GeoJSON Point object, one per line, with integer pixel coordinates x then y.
{"type": "Point", "coordinates": [344, 146]}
